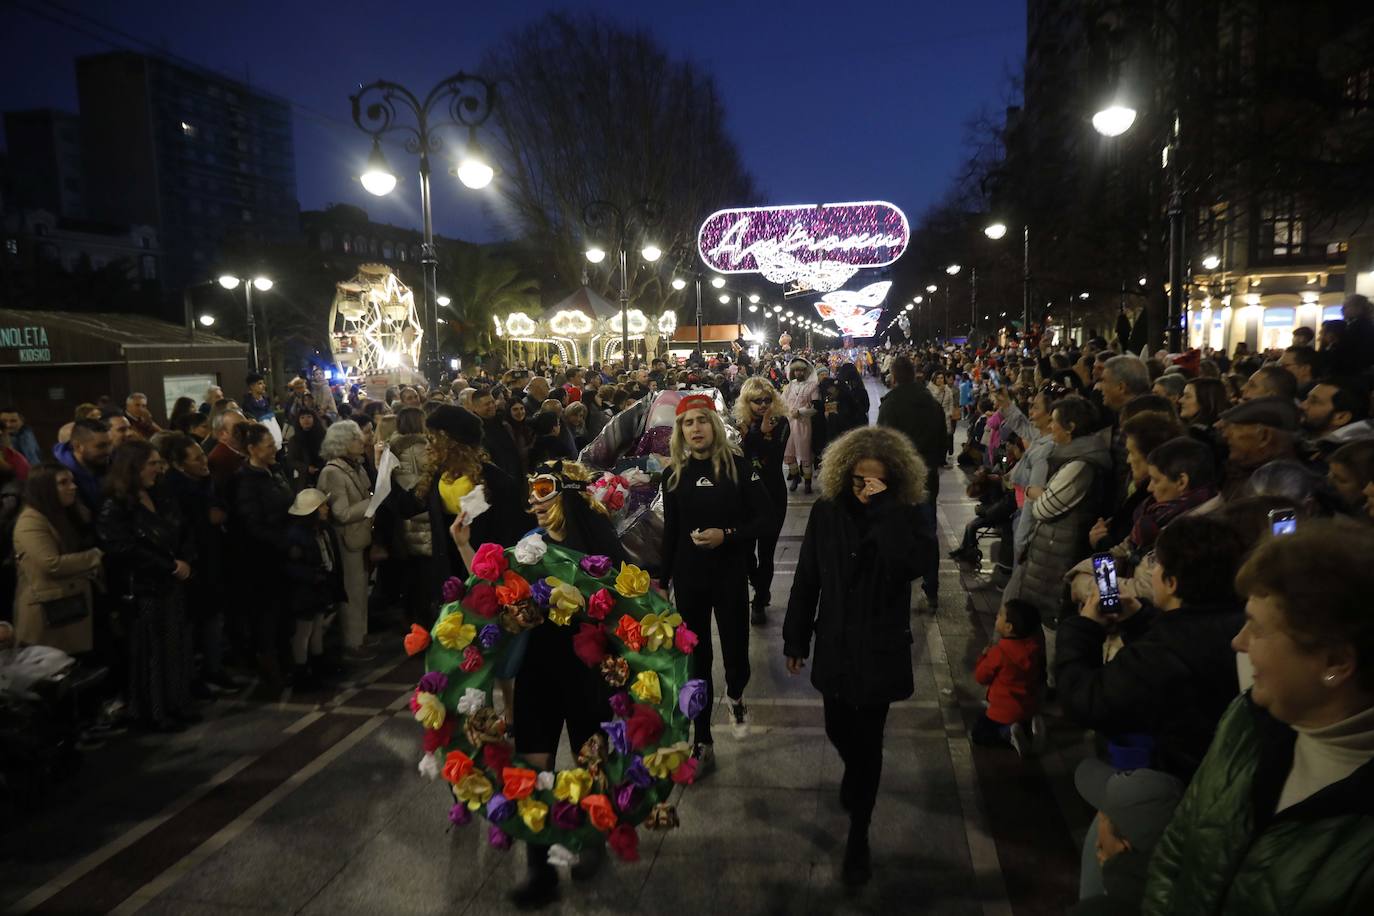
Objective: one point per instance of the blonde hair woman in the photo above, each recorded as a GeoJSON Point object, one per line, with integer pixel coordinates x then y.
{"type": "Point", "coordinates": [714, 508]}
{"type": "Point", "coordinates": [761, 417]}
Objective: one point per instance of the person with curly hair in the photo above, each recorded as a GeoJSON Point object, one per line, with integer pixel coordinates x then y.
{"type": "Point", "coordinates": [852, 594]}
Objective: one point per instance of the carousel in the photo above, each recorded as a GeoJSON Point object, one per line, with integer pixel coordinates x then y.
{"type": "Point", "coordinates": [582, 329]}
{"type": "Point", "coordinates": [375, 328]}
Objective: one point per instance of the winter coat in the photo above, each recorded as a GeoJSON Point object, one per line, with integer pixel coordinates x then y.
{"type": "Point", "coordinates": [910, 409]}
{"type": "Point", "coordinates": [261, 500]}
{"type": "Point", "coordinates": [195, 497]}
{"type": "Point", "coordinates": [142, 547]}
{"type": "Point", "coordinates": [349, 492]}
{"type": "Point", "coordinates": [1226, 851]}
{"type": "Point", "coordinates": [1013, 670]}
{"type": "Point", "coordinates": [411, 451]}
{"type": "Point", "coordinates": [47, 573]}
{"type": "Point", "coordinates": [852, 592]}
{"type": "Point", "coordinates": [948, 400]}
{"type": "Point", "coordinates": [499, 441]}
{"type": "Point", "coordinates": [311, 588]}
{"type": "Point", "coordinates": [88, 485]}
{"type": "Point", "coordinates": [1172, 680]}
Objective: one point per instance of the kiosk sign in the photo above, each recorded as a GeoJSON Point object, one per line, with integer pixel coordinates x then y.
{"type": "Point", "coordinates": [820, 246]}
{"type": "Point", "coordinates": [29, 342]}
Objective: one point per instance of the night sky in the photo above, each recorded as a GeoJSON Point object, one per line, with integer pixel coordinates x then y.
{"type": "Point", "coordinates": [827, 101]}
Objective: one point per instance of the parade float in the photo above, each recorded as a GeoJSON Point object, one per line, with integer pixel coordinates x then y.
{"type": "Point", "coordinates": [375, 330]}
{"type": "Point", "coordinates": [582, 329]}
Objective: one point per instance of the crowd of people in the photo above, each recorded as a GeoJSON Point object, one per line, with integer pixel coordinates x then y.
{"type": "Point", "coordinates": [1178, 540]}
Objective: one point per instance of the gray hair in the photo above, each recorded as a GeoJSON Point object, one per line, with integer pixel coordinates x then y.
{"type": "Point", "coordinates": [217, 425]}
{"type": "Point", "coordinates": [1172, 382]}
{"type": "Point", "coordinates": [337, 438]}
{"type": "Point", "coordinates": [1285, 478]}
{"type": "Point", "coordinates": [1130, 371]}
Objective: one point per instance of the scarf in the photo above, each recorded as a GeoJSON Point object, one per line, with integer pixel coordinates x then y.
{"type": "Point", "coordinates": [1151, 516]}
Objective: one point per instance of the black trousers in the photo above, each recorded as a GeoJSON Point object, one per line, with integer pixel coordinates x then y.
{"type": "Point", "coordinates": [728, 596]}
{"type": "Point", "coordinates": [857, 733]}
{"type": "Point", "coordinates": [761, 566]}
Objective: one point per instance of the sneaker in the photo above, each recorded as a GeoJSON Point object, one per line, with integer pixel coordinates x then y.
{"type": "Point", "coordinates": [225, 682]}
{"type": "Point", "coordinates": [739, 713]}
{"type": "Point", "coordinates": [1019, 740]}
{"type": "Point", "coordinates": [360, 654]}
{"type": "Point", "coordinates": [1039, 736]}
{"type": "Point", "coordinates": [705, 755]}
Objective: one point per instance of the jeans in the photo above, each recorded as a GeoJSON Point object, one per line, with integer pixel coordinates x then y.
{"type": "Point", "coordinates": [857, 733]}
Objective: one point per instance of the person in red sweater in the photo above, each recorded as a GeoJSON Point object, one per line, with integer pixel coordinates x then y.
{"type": "Point", "coordinates": [1013, 669]}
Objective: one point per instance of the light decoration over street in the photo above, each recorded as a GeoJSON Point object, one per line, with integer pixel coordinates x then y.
{"type": "Point", "coordinates": [820, 246]}
{"type": "Point", "coordinates": [374, 324]}
{"type": "Point", "coordinates": [855, 312]}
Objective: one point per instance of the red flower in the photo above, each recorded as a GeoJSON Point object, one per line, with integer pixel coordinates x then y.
{"type": "Point", "coordinates": [590, 644]}
{"type": "Point", "coordinates": [624, 842]}
{"type": "Point", "coordinates": [417, 640]}
{"type": "Point", "coordinates": [686, 773]}
{"type": "Point", "coordinates": [628, 631]}
{"type": "Point", "coordinates": [435, 738]}
{"type": "Point", "coordinates": [472, 659]}
{"type": "Point", "coordinates": [519, 782]}
{"type": "Point", "coordinates": [490, 562]}
{"type": "Point", "coordinates": [684, 639]}
{"type": "Point", "coordinates": [645, 726]}
{"type": "Point", "coordinates": [497, 755]}
{"type": "Point", "coordinates": [456, 766]}
{"type": "Point", "coordinates": [513, 588]}
{"type": "Point", "coordinates": [598, 808]}
{"type": "Point", "coordinates": [481, 600]}
{"type": "Point", "coordinates": [600, 604]}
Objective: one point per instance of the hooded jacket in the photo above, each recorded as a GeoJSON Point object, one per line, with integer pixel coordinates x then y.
{"type": "Point", "coordinates": [87, 484]}
{"type": "Point", "coordinates": [1013, 670]}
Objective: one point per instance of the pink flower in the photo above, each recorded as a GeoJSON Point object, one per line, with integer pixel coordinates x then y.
{"type": "Point", "coordinates": [600, 604]}
{"type": "Point", "coordinates": [472, 659]}
{"type": "Point", "coordinates": [490, 562]}
{"type": "Point", "coordinates": [684, 639]}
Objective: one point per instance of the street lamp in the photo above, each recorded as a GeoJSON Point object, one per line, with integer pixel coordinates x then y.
{"type": "Point", "coordinates": [1114, 120]}
{"type": "Point", "coordinates": [261, 284]}
{"type": "Point", "coordinates": [679, 284]}
{"type": "Point", "coordinates": [953, 269]}
{"type": "Point", "coordinates": [931, 288]}
{"type": "Point", "coordinates": [443, 301]}
{"type": "Point", "coordinates": [651, 253]}
{"type": "Point", "coordinates": [596, 255]}
{"type": "Point", "coordinates": [1211, 262]}
{"type": "Point", "coordinates": [598, 215]}
{"type": "Point", "coordinates": [724, 299]}
{"type": "Point", "coordinates": [207, 320]}
{"type": "Point", "coordinates": [467, 101]}
{"type": "Point", "coordinates": [995, 231]}
{"type": "Point", "coordinates": [718, 282]}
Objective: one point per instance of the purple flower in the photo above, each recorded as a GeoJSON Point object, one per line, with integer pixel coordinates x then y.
{"type": "Point", "coordinates": [434, 682]}
{"type": "Point", "coordinates": [459, 814]}
{"type": "Point", "coordinates": [620, 741]}
{"type": "Point", "coordinates": [489, 636]}
{"type": "Point", "coordinates": [595, 565]}
{"type": "Point", "coordinates": [566, 815]}
{"type": "Point", "coordinates": [691, 699]}
{"type": "Point", "coordinates": [454, 590]}
{"type": "Point", "coordinates": [498, 838]}
{"type": "Point", "coordinates": [499, 808]}
{"type": "Point", "coordinates": [639, 774]}
{"type": "Point", "coordinates": [620, 704]}
{"type": "Point", "coordinates": [540, 591]}
{"type": "Point", "coordinates": [626, 794]}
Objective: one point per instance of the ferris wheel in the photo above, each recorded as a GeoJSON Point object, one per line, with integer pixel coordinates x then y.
{"type": "Point", "coordinates": [373, 323]}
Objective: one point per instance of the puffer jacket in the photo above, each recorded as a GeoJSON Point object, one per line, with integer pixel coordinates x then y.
{"type": "Point", "coordinates": [410, 450]}
{"type": "Point", "coordinates": [1227, 852]}
{"type": "Point", "coordinates": [1013, 670]}
{"type": "Point", "coordinates": [1080, 475]}
{"type": "Point", "coordinates": [349, 493]}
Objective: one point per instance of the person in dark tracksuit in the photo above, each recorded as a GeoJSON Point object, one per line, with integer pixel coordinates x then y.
{"type": "Point", "coordinates": [761, 417]}
{"type": "Point", "coordinates": [714, 508]}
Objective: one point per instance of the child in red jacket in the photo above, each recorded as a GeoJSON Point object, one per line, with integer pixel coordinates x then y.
{"type": "Point", "coordinates": [1013, 669]}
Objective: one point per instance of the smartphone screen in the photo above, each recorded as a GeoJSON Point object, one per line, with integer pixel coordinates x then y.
{"type": "Point", "coordinates": [1283, 521]}
{"type": "Point", "coordinates": [1104, 572]}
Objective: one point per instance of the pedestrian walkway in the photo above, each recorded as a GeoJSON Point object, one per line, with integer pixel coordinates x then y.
{"type": "Point", "coordinates": [313, 804]}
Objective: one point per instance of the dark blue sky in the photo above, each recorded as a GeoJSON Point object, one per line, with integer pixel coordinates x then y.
{"type": "Point", "coordinates": [828, 101]}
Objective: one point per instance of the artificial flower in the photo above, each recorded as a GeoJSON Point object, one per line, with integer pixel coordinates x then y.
{"type": "Point", "coordinates": [459, 815]}
{"type": "Point", "coordinates": [657, 630]}
{"type": "Point", "coordinates": [473, 790]}
{"type": "Point", "coordinates": [626, 794]}
{"type": "Point", "coordinates": [481, 600]}
{"type": "Point", "coordinates": [545, 781]}
{"type": "Point", "coordinates": [429, 766]}
{"type": "Point", "coordinates": [646, 687]}
{"type": "Point", "coordinates": [472, 659]}
{"type": "Point", "coordinates": [499, 808]}
{"type": "Point", "coordinates": [457, 765]}
{"type": "Point", "coordinates": [616, 671]}
{"type": "Point", "coordinates": [513, 589]}
{"type": "Point", "coordinates": [595, 565]}
{"type": "Point", "coordinates": [566, 815]}
{"type": "Point", "coordinates": [562, 855]}
{"type": "Point", "coordinates": [663, 816]}
{"type": "Point", "coordinates": [632, 581]}
{"type": "Point", "coordinates": [533, 812]}
{"type": "Point", "coordinates": [589, 644]}
{"type": "Point", "coordinates": [684, 639]}
{"type": "Point", "coordinates": [645, 726]}
{"type": "Point", "coordinates": [601, 603]}
{"type": "Point", "coordinates": [691, 699]}
{"type": "Point", "coordinates": [434, 682]}
{"type": "Point", "coordinates": [620, 704]}
{"type": "Point", "coordinates": [628, 631]}
{"type": "Point", "coordinates": [489, 636]}
{"type": "Point", "coordinates": [497, 755]}
{"type": "Point", "coordinates": [489, 562]}
{"type": "Point", "coordinates": [473, 700]}
{"type": "Point", "coordinates": [565, 600]}
{"type": "Point", "coordinates": [498, 838]}
{"type": "Point", "coordinates": [453, 589]}
{"type": "Point", "coordinates": [431, 712]}
{"type": "Point", "coordinates": [436, 739]}
{"type": "Point", "coordinates": [517, 782]}
{"type": "Point", "coordinates": [453, 633]}
{"type": "Point", "coordinates": [484, 727]}
{"type": "Point", "coordinates": [530, 549]}
{"type": "Point", "coordinates": [572, 784]}
{"type": "Point", "coordinates": [663, 761]}
{"type": "Point", "coordinates": [516, 618]}
{"type": "Point", "coordinates": [540, 589]}
{"type": "Point", "coordinates": [599, 811]}
{"type": "Point", "coordinates": [686, 773]}
{"type": "Point", "coordinates": [624, 842]}
{"type": "Point", "coordinates": [593, 752]}
{"type": "Point", "coordinates": [415, 700]}
{"type": "Point", "coordinates": [616, 736]}
{"type": "Point", "coordinates": [417, 640]}
{"type": "Point", "coordinates": [639, 774]}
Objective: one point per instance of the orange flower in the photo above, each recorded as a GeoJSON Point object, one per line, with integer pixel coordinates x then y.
{"type": "Point", "coordinates": [598, 808]}
{"type": "Point", "coordinates": [417, 640]}
{"type": "Point", "coordinates": [456, 766]}
{"type": "Point", "coordinates": [628, 631]}
{"type": "Point", "coordinates": [513, 588]}
{"type": "Point", "coordinates": [519, 782]}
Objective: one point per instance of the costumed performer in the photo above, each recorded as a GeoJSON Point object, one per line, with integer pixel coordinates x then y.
{"type": "Point", "coordinates": [799, 394]}
{"type": "Point", "coordinates": [761, 417]}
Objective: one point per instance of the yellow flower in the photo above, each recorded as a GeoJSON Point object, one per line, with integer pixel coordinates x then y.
{"type": "Point", "coordinates": [564, 601]}
{"type": "Point", "coordinates": [663, 761]}
{"type": "Point", "coordinates": [657, 630]}
{"type": "Point", "coordinates": [431, 712]}
{"type": "Point", "coordinates": [646, 687]}
{"type": "Point", "coordinates": [632, 581]}
{"type": "Point", "coordinates": [533, 812]}
{"type": "Point", "coordinates": [571, 785]}
{"type": "Point", "coordinates": [474, 790]}
{"type": "Point", "coordinates": [452, 633]}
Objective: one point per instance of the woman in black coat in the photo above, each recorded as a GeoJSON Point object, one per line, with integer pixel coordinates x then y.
{"type": "Point", "coordinates": [761, 417]}
{"type": "Point", "coordinates": [852, 592]}
{"type": "Point", "coordinates": [262, 498]}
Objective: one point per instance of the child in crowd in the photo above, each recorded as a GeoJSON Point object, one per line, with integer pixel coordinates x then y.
{"type": "Point", "coordinates": [316, 575]}
{"type": "Point", "coordinates": [1013, 669]}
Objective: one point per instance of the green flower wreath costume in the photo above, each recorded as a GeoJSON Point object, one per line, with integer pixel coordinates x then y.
{"type": "Point", "coordinates": [627, 770]}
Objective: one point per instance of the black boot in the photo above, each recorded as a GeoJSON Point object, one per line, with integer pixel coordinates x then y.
{"type": "Point", "coordinates": [807, 488]}
{"type": "Point", "coordinates": [858, 860]}
{"type": "Point", "coordinates": [793, 481]}
{"type": "Point", "coordinates": [589, 862]}
{"type": "Point", "coordinates": [758, 616]}
{"type": "Point", "coordinates": [540, 887]}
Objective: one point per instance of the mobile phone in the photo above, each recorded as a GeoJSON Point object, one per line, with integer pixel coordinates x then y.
{"type": "Point", "coordinates": [1283, 521]}
{"type": "Point", "coordinates": [1108, 591]}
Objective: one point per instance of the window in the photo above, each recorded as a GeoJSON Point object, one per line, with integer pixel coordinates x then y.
{"type": "Point", "coordinates": [148, 267]}
{"type": "Point", "coordinates": [1281, 228]}
{"type": "Point", "coordinates": [12, 246]}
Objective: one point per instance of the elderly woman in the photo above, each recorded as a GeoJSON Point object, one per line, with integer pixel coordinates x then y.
{"type": "Point", "coordinates": [1278, 818]}
{"type": "Point", "coordinates": [261, 497]}
{"type": "Point", "coordinates": [344, 480]}
{"type": "Point", "coordinates": [852, 593]}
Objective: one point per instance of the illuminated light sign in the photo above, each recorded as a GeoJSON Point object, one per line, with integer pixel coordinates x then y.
{"type": "Point", "coordinates": [819, 246]}
{"type": "Point", "coordinates": [855, 312]}
{"type": "Point", "coordinates": [667, 322]}
{"type": "Point", "coordinates": [570, 323]}
{"type": "Point", "coordinates": [518, 324]}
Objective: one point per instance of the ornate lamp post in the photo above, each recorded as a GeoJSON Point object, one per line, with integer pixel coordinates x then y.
{"type": "Point", "coordinates": [601, 214]}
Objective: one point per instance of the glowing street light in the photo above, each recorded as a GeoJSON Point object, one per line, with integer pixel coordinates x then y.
{"type": "Point", "coordinates": [378, 178]}
{"type": "Point", "coordinates": [474, 171]}
{"type": "Point", "coordinates": [651, 253]}
{"type": "Point", "coordinates": [753, 297]}
{"type": "Point", "coordinates": [596, 255]}
{"type": "Point", "coordinates": [229, 282]}
{"type": "Point", "coordinates": [919, 299]}
{"type": "Point", "coordinates": [995, 231]}
{"type": "Point", "coordinates": [724, 299]}
{"type": "Point", "coordinates": [1211, 262]}
{"type": "Point", "coordinates": [443, 300]}
{"type": "Point", "coordinates": [679, 283]}
{"type": "Point", "coordinates": [1114, 120]}
{"type": "Point", "coordinates": [718, 282]}
{"type": "Point", "coordinates": [777, 309]}
{"type": "Point", "coordinates": [262, 284]}
{"type": "Point", "coordinates": [753, 308]}
{"type": "Point", "coordinates": [953, 269]}
{"type": "Point", "coordinates": [931, 288]}
{"type": "Point", "coordinates": [207, 320]}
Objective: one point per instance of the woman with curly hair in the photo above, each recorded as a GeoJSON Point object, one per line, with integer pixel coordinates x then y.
{"type": "Point", "coordinates": [852, 592]}
{"type": "Point", "coordinates": [761, 417]}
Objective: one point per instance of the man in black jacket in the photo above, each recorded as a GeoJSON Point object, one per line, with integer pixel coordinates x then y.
{"type": "Point", "coordinates": [497, 438]}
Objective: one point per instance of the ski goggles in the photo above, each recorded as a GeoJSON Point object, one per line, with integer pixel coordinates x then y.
{"type": "Point", "coordinates": [544, 487]}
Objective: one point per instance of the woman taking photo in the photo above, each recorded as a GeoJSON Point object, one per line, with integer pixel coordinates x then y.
{"type": "Point", "coordinates": [1278, 818]}
{"type": "Point", "coordinates": [345, 481]}
{"type": "Point", "coordinates": [262, 497]}
{"type": "Point", "coordinates": [56, 560]}
{"type": "Point", "coordinates": [762, 420]}
{"type": "Point", "coordinates": [147, 547]}
{"type": "Point", "coordinates": [852, 592]}
{"type": "Point", "coordinates": [714, 508]}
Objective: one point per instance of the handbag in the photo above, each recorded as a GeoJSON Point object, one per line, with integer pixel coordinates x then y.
{"type": "Point", "coordinates": [60, 612]}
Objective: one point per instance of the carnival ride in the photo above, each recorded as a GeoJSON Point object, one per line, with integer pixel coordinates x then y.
{"type": "Point", "coordinates": [374, 327]}
{"type": "Point", "coordinates": [582, 329]}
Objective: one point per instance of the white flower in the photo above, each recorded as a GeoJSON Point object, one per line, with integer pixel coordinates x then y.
{"type": "Point", "coordinates": [530, 550]}
{"type": "Point", "coordinates": [429, 766]}
{"type": "Point", "coordinates": [562, 855]}
{"type": "Point", "coordinates": [544, 781]}
{"type": "Point", "coordinates": [473, 700]}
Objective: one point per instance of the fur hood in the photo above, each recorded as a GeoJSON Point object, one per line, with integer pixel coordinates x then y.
{"type": "Point", "coordinates": [797, 360]}
{"type": "Point", "coordinates": [906, 472]}
{"type": "Point", "coordinates": [399, 442]}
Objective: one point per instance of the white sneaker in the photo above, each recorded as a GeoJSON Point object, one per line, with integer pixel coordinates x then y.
{"type": "Point", "coordinates": [739, 714]}
{"type": "Point", "coordinates": [1019, 740]}
{"type": "Point", "coordinates": [1039, 736]}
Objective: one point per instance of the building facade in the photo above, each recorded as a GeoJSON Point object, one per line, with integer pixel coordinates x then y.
{"type": "Point", "coordinates": [44, 147]}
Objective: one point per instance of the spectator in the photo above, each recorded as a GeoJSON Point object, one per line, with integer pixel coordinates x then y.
{"type": "Point", "coordinates": [182, 407]}
{"type": "Point", "coordinates": [1335, 412]}
{"type": "Point", "coordinates": [121, 430]}
{"type": "Point", "coordinates": [497, 436]}
{"type": "Point", "coordinates": [415, 544]}
{"type": "Point", "coordinates": [345, 482]}
{"type": "Point", "coordinates": [56, 562]}
{"type": "Point", "coordinates": [1303, 363]}
{"type": "Point", "coordinates": [1123, 378]}
{"type": "Point", "coordinates": [140, 417]}
{"type": "Point", "coordinates": [213, 395]}
{"type": "Point", "coordinates": [21, 437]}
{"type": "Point", "coordinates": [87, 456]}
{"type": "Point", "coordinates": [1350, 469]}
{"type": "Point", "coordinates": [261, 497]}
{"type": "Point", "coordinates": [575, 418]}
{"type": "Point", "coordinates": [909, 409]}
{"type": "Point", "coordinates": [1202, 403]}
{"type": "Point", "coordinates": [1304, 337]}
{"type": "Point", "coordinates": [1256, 432]}
{"type": "Point", "coordinates": [1352, 352]}
{"type": "Point", "coordinates": [303, 449]}
{"type": "Point", "coordinates": [314, 578]}
{"type": "Point", "coordinates": [15, 464]}
{"type": "Point", "coordinates": [1142, 432]}
{"type": "Point", "coordinates": [1013, 670]}
{"type": "Point", "coordinates": [226, 456]}
{"type": "Point", "coordinates": [256, 403]}
{"type": "Point", "coordinates": [522, 433]}
{"type": "Point", "coordinates": [1270, 382]}
{"type": "Point", "coordinates": [1170, 385]}
{"type": "Point", "coordinates": [548, 441]}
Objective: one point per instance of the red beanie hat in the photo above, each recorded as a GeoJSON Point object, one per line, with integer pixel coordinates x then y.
{"type": "Point", "coordinates": [695, 402]}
